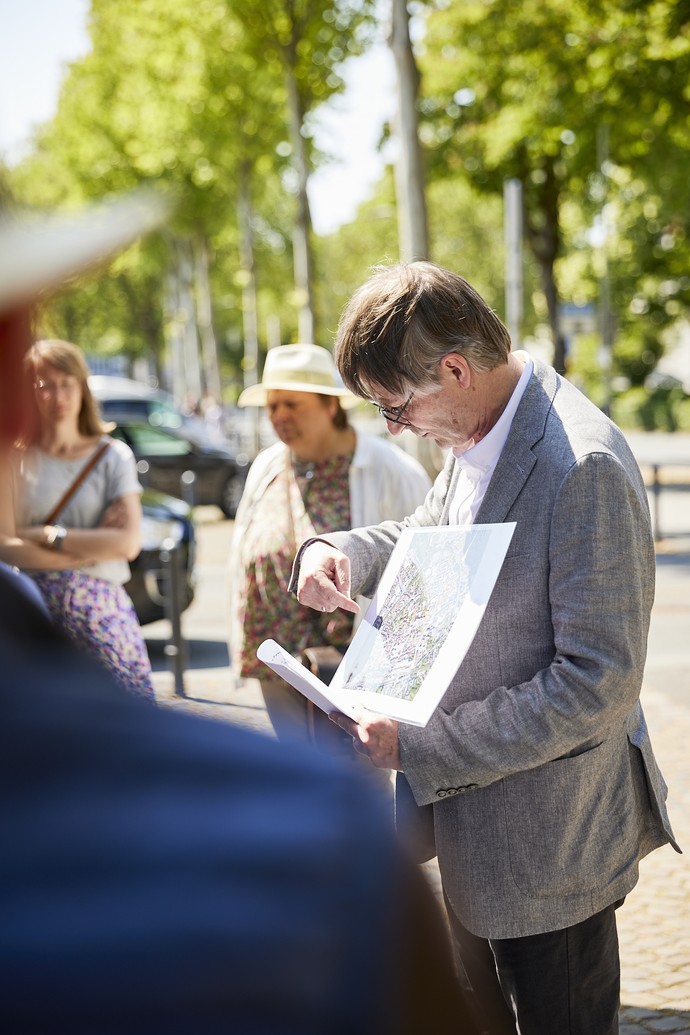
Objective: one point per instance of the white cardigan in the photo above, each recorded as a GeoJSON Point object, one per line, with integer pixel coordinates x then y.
{"type": "Point", "coordinates": [385, 483]}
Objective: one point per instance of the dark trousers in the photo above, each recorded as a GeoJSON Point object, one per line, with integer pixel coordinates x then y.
{"type": "Point", "coordinates": [563, 982]}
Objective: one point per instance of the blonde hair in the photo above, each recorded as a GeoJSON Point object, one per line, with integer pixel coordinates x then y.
{"type": "Point", "coordinates": [68, 359]}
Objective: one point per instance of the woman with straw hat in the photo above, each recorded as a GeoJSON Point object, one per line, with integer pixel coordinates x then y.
{"type": "Point", "coordinates": [321, 474]}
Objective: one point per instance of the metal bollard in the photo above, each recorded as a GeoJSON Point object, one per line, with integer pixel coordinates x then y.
{"type": "Point", "coordinates": [187, 480]}
{"type": "Point", "coordinates": [176, 649]}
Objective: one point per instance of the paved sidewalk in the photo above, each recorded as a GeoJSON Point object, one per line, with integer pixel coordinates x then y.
{"type": "Point", "coordinates": [654, 923]}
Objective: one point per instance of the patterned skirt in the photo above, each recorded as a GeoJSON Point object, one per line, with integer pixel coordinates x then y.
{"type": "Point", "coordinates": [100, 617]}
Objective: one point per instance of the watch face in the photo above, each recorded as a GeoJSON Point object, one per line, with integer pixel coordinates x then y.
{"type": "Point", "coordinates": [59, 534]}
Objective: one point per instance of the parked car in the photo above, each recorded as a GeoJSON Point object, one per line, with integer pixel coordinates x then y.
{"type": "Point", "coordinates": [166, 460]}
{"type": "Point", "coordinates": [120, 398]}
{"type": "Point", "coordinates": [165, 519]}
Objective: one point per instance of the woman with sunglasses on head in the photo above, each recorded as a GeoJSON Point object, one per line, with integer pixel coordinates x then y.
{"type": "Point", "coordinates": [78, 514]}
{"type": "Point", "coordinates": [322, 473]}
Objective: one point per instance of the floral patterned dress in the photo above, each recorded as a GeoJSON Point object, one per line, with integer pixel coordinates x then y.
{"type": "Point", "coordinates": [302, 501]}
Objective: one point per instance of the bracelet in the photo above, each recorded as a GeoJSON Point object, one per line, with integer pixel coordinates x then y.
{"type": "Point", "coordinates": [56, 537]}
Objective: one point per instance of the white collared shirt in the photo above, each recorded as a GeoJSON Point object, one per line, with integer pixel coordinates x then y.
{"type": "Point", "coordinates": [478, 463]}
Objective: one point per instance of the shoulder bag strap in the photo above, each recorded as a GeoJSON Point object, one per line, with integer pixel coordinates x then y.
{"type": "Point", "coordinates": [72, 488]}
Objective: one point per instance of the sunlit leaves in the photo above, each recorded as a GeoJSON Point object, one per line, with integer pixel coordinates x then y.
{"type": "Point", "coordinates": [191, 97]}
{"type": "Point", "coordinates": [547, 90]}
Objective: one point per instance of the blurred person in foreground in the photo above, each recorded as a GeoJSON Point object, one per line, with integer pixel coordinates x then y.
{"type": "Point", "coordinates": [321, 474]}
{"type": "Point", "coordinates": [537, 763]}
{"type": "Point", "coordinates": [76, 547]}
{"type": "Point", "coordinates": [164, 873]}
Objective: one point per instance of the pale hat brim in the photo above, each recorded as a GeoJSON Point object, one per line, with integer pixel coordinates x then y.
{"type": "Point", "coordinates": [298, 367]}
{"type": "Point", "coordinates": [38, 252]}
{"type": "Point", "coordinates": [257, 395]}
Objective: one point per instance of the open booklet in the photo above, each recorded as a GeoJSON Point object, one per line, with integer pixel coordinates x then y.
{"type": "Point", "coordinates": [417, 629]}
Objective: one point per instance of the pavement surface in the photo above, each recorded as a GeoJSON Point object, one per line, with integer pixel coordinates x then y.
{"type": "Point", "coordinates": [654, 922]}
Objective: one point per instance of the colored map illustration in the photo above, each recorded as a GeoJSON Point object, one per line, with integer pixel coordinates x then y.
{"type": "Point", "coordinates": [393, 654]}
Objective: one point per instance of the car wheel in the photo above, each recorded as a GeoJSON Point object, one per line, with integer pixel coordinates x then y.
{"type": "Point", "coordinates": [230, 495]}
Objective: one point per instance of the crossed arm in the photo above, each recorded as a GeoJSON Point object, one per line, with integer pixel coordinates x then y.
{"type": "Point", "coordinates": [118, 535]}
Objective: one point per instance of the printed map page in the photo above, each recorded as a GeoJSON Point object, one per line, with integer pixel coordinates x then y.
{"type": "Point", "coordinates": [417, 629]}
{"type": "Point", "coordinates": [399, 647]}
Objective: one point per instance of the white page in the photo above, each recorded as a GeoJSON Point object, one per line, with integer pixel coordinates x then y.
{"type": "Point", "coordinates": [418, 627]}
{"type": "Point", "coordinates": [299, 676]}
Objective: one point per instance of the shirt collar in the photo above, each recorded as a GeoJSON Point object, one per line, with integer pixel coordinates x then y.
{"type": "Point", "coordinates": [483, 456]}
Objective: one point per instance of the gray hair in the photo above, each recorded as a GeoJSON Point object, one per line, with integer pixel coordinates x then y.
{"type": "Point", "coordinates": [398, 326]}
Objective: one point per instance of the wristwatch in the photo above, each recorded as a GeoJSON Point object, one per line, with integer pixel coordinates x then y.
{"type": "Point", "coordinates": [56, 537]}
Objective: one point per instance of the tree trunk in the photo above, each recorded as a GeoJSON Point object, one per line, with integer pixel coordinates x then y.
{"type": "Point", "coordinates": [148, 319]}
{"type": "Point", "coordinates": [181, 334]}
{"type": "Point", "coordinates": [250, 321]}
{"type": "Point", "coordinates": [553, 306]}
{"type": "Point", "coordinates": [543, 234]}
{"type": "Point", "coordinates": [301, 242]}
{"type": "Point", "coordinates": [192, 366]}
{"type": "Point", "coordinates": [173, 327]}
{"type": "Point", "coordinates": [413, 230]}
{"type": "Point", "coordinates": [204, 319]}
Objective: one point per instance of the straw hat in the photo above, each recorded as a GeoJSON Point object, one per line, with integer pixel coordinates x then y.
{"type": "Point", "coordinates": [298, 368]}
{"type": "Point", "coordinates": [38, 252]}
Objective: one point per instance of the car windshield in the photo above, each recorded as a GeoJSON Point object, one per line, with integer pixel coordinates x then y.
{"type": "Point", "coordinates": [164, 416]}
{"type": "Point", "coordinates": [155, 442]}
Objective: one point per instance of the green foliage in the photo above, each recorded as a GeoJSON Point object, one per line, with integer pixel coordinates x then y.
{"type": "Point", "coordinates": [584, 368]}
{"type": "Point", "coordinates": [309, 39]}
{"type": "Point", "coordinates": [466, 234]}
{"type": "Point", "coordinates": [663, 409]}
{"type": "Point", "coordinates": [345, 258]}
{"type": "Point", "coordinates": [636, 355]}
{"type": "Point", "coordinates": [193, 98]}
{"type": "Point", "coordinates": [637, 407]}
{"type": "Point", "coordinates": [586, 103]}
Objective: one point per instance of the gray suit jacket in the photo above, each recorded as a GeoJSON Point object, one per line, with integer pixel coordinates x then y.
{"type": "Point", "coordinates": [545, 790]}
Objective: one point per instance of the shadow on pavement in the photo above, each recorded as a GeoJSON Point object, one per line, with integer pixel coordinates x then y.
{"type": "Point", "coordinates": [637, 1019]}
{"type": "Point", "coordinates": [200, 654]}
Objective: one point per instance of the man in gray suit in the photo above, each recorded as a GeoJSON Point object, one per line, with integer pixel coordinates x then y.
{"type": "Point", "coordinates": [537, 764]}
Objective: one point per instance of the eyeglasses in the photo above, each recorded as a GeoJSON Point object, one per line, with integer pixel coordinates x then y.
{"type": "Point", "coordinates": [67, 385]}
{"type": "Point", "coordinates": [394, 414]}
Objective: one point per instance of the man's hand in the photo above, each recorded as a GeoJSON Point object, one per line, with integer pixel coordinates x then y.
{"type": "Point", "coordinates": [373, 736]}
{"type": "Point", "coordinates": [324, 579]}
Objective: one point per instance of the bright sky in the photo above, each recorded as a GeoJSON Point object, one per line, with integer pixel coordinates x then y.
{"type": "Point", "coordinates": [40, 37]}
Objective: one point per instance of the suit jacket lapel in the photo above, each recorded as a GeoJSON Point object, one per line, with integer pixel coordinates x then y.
{"type": "Point", "coordinates": [517, 457]}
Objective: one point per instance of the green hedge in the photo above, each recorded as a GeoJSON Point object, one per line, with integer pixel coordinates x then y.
{"type": "Point", "coordinates": [664, 409]}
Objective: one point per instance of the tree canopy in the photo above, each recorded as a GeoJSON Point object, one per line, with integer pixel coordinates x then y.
{"type": "Point", "coordinates": [196, 99]}
{"type": "Point", "coordinates": [587, 104]}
